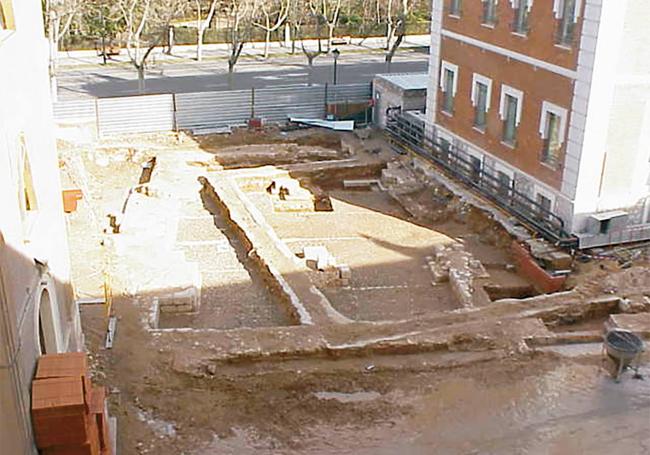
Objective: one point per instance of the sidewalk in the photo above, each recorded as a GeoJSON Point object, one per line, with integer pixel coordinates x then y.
{"type": "Point", "coordinates": [71, 59]}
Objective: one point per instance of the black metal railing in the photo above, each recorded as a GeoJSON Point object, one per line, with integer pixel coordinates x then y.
{"type": "Point", "coordinates": [408, 136]}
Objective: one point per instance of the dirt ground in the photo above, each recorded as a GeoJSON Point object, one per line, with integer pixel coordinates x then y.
{"type": "Point", "coordinates": [482, 398]}
{"type": "Point", "coordinates": [415, 404]}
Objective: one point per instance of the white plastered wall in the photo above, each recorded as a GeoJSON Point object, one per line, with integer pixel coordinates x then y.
{"type": "Point", "coordinates": [608, 148]}
{"type": "Point", "coordinates": [434, 63]}
{"type": "Point", "coordinates": [26, 111]}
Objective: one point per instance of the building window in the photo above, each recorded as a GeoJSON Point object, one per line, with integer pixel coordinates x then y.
{"type": "Point", "coordinates": [454, 7]}
{"type": "Point", "coordinates": [448, 85]}
{"type": "Point", "coordinates": [445, 148]}
{"type": "Point", "coordinates": [552, 128]}
{"type": "Point", "coordinates": [504, 183]}
{"type": "Point", "coordinates": [489, 12]}
{"type": "Point", "coordinates": [544, 206]}
{"type": "Point", "coordinates": [522, 10]}
{"type": "Point", "coordinates": [481, 95]}
{"type": "Point", "coordinates": [6, 16]}
{"type": "Point", "coordinates": [510, 112]}
{"type": "Point", "coordinates": [475, 168]}
{"type": "Point", "coordinates": [567, 13]}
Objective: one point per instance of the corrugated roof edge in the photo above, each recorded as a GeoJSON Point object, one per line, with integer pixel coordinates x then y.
{"type": "Point", "coordinates": [407, 81]}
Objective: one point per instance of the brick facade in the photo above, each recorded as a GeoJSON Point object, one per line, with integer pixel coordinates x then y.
{"type": "Point", "coordinates": [537, 85]}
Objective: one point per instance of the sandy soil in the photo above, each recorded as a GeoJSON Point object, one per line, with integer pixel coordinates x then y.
{"type": "Point", "coordinates": [476, 399]}
{"type": "Point", "coordinates": [408, 404]}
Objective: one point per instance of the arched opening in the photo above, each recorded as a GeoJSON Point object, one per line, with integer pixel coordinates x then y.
{"type": "Point", "coordinates": [46, 325]}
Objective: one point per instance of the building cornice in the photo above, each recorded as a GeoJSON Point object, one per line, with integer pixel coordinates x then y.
{"type": "Point", "coordinates": [566, 72]}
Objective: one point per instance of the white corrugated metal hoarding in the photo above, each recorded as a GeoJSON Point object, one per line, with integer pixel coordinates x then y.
{"type": "Point", "coordinates": [75, 111]}
{"type": "Point", "coordinates": [277, 104]}
{"type": "Point", "coordinates": [190, 111]}
{"type": "Point", "coordinates": [136, 114]}
{"type": "Point", "coordinates": [213, 109]}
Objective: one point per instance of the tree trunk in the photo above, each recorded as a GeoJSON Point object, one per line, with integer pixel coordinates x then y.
{"type": "Point", "coordinates": [141, 78]}
{"type": "Point", "coordinates": [170, 39]}
{"type": "Point", "coordinates": [199, 45]}
{"type": "Point", "coordinates": [287, 35]}
{"type": "Point", "coordinates": [266, 43]}
{"type": "Point", "coordinates": [330, 36]}
{"type": "Point", "coordinates": [231, 75]}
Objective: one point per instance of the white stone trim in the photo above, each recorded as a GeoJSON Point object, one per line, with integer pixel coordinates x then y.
{"type": "Point", "coordinates": [558, 9]}
{"type": "Point", "coordinates": [509, 171]}
{"type": "Point", "coordinates": [485, 81]}
{"type": "Point", "coordinates": [434, 64]}
{"type": "Point", "coordinates": [557, 110]}
{"type": "Point", "coordinates": [507, 90]}
{"type": "Point", "coordinates": [515, 4]}
{"type": "Point", "coordinates": [444, 66]}
{"type": "Point", "coordinates": [566, 72]}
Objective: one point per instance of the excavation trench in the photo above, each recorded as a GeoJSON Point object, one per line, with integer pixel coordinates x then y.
{"type": "Point", "coordinates": [255, 299]}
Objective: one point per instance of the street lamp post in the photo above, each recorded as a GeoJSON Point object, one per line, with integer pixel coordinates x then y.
{"type": "Point", "coordinates": [336, 54]}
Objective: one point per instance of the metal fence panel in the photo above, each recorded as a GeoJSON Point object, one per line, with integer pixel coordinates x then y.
{"type": "Point", "coordinates": [203, 110]}
{"type": "Point", "coordinates": [136, 114]}
{"type": "Point", "coordinates": [278, 104]}
{"type": "Point", "coordinates": [75, 111]}
{"type": "Point", "coordinates": [349, 93]}
{"type": "Point", "coordinates": [213, 109]}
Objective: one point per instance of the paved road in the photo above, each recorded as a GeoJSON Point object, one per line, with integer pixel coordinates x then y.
{"type": "Point", "coordinates": [168, 77]}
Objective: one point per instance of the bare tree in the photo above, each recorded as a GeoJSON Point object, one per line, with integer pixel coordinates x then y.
{"type": "Point", "coordinates": [146, 23]}
{"type": "Point", "coordinates": [327, 11]}
{"type": "Point", "coordinates": [295, 17]}
{"type": "Point", "coordinates": [395, 33]}
{"type": "Point", "coordinates": [311, 54]}
{"type": "Point", "coordinates": [59, 15]}
{"type": "Point", "coordinates": [279, 16]}
{"type": "Point", "coordinates": [240, 23]}
{"type": "Point", "coordinates": [202, 25]}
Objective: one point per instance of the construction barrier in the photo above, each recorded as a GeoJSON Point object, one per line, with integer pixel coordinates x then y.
{"type": "Point", "coordinates": [206, 110]}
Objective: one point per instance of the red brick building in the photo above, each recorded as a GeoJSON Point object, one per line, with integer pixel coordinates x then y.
{"type": "Point", "coordinates": [536, 93]}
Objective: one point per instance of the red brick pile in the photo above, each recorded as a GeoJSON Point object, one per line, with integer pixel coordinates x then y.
{"type": "Point", "coordinates": [69, 414]}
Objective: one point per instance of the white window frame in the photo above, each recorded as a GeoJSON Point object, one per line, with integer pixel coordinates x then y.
{"type": "Point", "coordinates": [558, 9]}
{"type": "Point", "coordinates": [557, 110]}
{"type": "Point", "coordinates": [479, 78]}
{"type": "Point", "coordinates": [515, 4]}
{"type": "Point", "coordinates": [454, 69]}
{"type": "Point", "coordinates": [496, 4]}
{"type": "Point", "coordinates": [507, 90]}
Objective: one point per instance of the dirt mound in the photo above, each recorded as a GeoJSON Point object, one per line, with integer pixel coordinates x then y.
{"type": "Point", "coordinates": [244, 136]}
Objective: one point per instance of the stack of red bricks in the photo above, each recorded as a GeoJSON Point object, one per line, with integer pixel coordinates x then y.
{"type": "Point", "coordinates": [69, 414]}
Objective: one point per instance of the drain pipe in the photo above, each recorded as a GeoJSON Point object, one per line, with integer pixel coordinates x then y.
{"type": "Point", "coordinates": [12, 350]}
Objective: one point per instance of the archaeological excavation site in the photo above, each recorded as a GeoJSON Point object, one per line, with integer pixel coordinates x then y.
{"type": "Point", "coordinates": [301, 290]}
